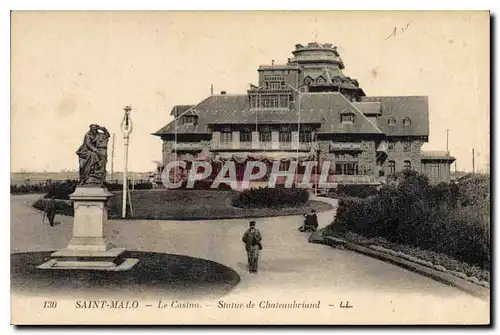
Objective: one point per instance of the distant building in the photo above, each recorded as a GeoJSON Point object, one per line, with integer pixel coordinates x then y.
{"type": "Point", "coordinates": [308, 109]}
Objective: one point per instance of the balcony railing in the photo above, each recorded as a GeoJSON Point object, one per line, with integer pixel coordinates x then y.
{"type": "Point", "coordinates": [304, 146]}
{"type": "Point", "coordinates": [187, 145]}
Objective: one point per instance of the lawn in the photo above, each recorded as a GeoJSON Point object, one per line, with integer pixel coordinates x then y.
{"type": "Point", "coordinates": [197, 204]}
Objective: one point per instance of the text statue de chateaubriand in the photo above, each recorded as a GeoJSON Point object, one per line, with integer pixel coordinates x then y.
{"type": "Point", "coordinates": [93, 156]}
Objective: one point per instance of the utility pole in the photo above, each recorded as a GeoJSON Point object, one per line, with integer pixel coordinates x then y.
{"type": "Point", "coordinates": [473, 161]}
{"type": "Point", "coordinates": [447, 135]}
{"type": "Point", "coordinates": [126, 130]}
{"type": "Point", "coordinates": [112, 155]}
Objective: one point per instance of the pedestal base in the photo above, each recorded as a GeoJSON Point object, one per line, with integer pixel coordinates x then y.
{"type": "Point", "coordinates": [110, 260]}
{"type": "Point", "coordinates": [88, 248]}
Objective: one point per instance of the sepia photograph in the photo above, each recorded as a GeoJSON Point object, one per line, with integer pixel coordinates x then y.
{"type": "Point", "coordinates": [250, 168]}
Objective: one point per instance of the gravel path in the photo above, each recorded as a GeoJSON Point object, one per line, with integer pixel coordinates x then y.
{"type": "Point", "coordinates": [290, 267]}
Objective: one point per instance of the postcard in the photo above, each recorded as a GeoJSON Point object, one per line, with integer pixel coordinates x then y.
{"type": "Point", "coordinates": [250, 168]}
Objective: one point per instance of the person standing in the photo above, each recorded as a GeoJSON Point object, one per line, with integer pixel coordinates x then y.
{"type": "Point", "coordinates": [50, 211]}
{"type": "Point", "coordinates": [252, 239]}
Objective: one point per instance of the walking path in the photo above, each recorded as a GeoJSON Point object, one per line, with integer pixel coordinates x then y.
{"type": "Point", "coordinates": [290, 268]}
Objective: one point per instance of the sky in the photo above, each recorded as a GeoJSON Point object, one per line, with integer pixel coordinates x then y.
{"type": "Point", "coordinates": [71, 69]}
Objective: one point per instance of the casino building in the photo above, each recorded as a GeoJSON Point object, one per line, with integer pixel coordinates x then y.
{"type": "Point", "coordinates": [308, 109]}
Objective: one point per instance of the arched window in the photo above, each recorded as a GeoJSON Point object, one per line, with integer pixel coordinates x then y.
{"type": "Point", "coordinates": [391, 121]}
{"type": "Point", "coordinates": [406, 122]}
{"type": "Point", "coordinates": [407, 165]}
{"type": "Point", "coordinates": [320, 80]}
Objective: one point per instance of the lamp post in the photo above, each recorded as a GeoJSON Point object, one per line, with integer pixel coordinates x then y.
{"type": "Point", "coordinates": [126, 127]}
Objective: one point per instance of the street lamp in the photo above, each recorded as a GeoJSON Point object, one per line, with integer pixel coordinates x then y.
{"type": "Point", "coordinates": [126, 128]}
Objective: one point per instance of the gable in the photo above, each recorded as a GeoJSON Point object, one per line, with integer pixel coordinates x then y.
{"type": "Point", "coordinates": [329, 107]}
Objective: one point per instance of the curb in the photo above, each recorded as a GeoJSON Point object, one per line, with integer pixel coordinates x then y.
{"type": "Point", "coordinates": [443, 277]}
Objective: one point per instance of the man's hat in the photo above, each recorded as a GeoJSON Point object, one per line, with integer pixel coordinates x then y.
{"type": "Point", "coordinates": [252, 223]}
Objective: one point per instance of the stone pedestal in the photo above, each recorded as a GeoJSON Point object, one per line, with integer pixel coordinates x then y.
{"type": "Point", "coordinates": [88, 248]}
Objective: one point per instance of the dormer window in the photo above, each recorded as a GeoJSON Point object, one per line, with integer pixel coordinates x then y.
{"type": "Point", "coordinates": [392, 121]}
{"type": "Point", "coordinates": [347, 117]}
{"type": "Point", "coordinates": [406, 122]}
{"type": "Point", "coordinates": [188, 119]}
{"type": "Point", "coordinates": [320, 80]}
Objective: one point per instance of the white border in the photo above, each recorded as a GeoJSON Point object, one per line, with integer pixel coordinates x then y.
{"type": "Point", "coordinates": [6, 6]}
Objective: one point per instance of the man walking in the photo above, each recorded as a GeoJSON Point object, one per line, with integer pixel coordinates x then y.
{"type": "Point", "coordinates": [252, 239]}
{"type": "Point", "coordinates": [50, 211]}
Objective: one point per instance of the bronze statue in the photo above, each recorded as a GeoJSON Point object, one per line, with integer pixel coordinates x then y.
{"type": "Point", "coordinates": [93, 156]}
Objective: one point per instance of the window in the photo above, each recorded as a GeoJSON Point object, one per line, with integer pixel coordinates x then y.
{"type": "Point", "coordinates": [305, 136]}
{"type": "Point", "coordinates": [245, 136]}
{"type": "Point", "coordinates": [406, 122]}
{"type": "Point", "coordinates": [189, 119]}
{"type": "Point", "coordinates": [407, 165]}
{"type": "Point", "coordinates": [284, 102]}
{"type": "Point", "coordinates": [265, 136]}
{"type": "Point", "coordinates": [351, 169]}
{"type": "Point", "coordinates": [285, 136]}
{"type": "Point", "coordinates": [392, 167]}
{"type": "Point", "coordinates": [390, 146]}
{"type": "Point", "coordinates": [270, 101]}
{"type": "Point", "coordinates": [226, 137]}
{"type": "Point", "coordinates": [407, 146]}
{"type": "Point", "coordinates": [346, 155]}
{"type": "Point", "coordinates": [392, 121]}
{"type": "Point", "coordinates": [347, 118]}
{"type": "Point", "coordinates": [274, 85]}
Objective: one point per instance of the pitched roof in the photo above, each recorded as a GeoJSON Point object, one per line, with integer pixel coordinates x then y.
{"type": "Point", "coordinates": [325, 108]}
{"type": "Point", "coordinates": [416, 108]}
{"type": "Point", "coordinates": [209, 108]}
{"type": "Point", "coordinates": [329, 106]}
{"type": "Point", "coordinates": [437, 155]}
{"type": "Point", "coordinates": [179, 109]}
{"type": "Point", "coordinates": [369, 107]}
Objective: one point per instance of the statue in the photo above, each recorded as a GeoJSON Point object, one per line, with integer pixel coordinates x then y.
{"type": "Point", "coordinates": [93, 156]}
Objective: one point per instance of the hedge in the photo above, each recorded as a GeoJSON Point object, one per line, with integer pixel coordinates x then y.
{"type": "Point", "coordinates": [358, 191]}
{"type": "Point", "coordinates": [271, 197]}
{"type": "Point", "coordinates": [63, 207]}
{"type": "Point", "coordinates": [440, 218]}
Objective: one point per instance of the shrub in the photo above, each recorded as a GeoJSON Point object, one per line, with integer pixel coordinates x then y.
{"type": "Point", "coordinates": [271, 197]}
{"type": "Point", "coordinates": [412, 212]}
{"type": "Point", "coordinates": [63, 207]}
{"type": "Point", "coordinates": [358, 191]}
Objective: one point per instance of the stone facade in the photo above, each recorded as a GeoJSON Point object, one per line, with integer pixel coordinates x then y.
{"type": "Point", "coordinates": [399, 152]}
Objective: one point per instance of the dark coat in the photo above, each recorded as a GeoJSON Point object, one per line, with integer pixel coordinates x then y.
{"type": "Point", "coordinates": [252, 237]}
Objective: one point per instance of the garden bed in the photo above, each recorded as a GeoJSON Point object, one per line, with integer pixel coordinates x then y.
{"type": "Point", "coordinates": [192, 205]}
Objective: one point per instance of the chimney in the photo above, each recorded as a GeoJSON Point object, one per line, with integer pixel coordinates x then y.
{"type": "Point", "coordinates": [222, 92]}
